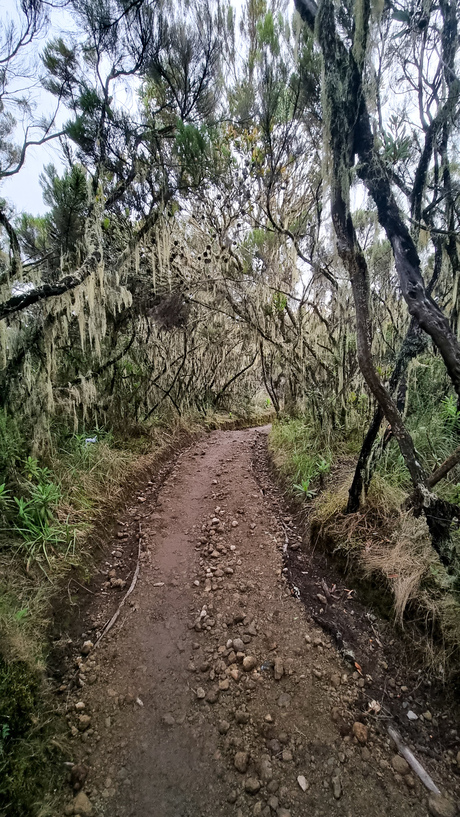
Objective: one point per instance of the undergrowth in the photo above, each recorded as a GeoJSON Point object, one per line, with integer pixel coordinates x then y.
{"type": "Point", "coordinates": [383, 546]}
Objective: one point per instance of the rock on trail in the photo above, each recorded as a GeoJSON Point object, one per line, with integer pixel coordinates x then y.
{"type": "Point", "coordinates": [213, 694]}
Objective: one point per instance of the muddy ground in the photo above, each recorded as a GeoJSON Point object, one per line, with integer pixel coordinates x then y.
{"type": "Point", "coordinates": [241, 677]}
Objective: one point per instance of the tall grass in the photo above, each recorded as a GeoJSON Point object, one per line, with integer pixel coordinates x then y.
{"type": "Point", "coordinates": [294, 446]}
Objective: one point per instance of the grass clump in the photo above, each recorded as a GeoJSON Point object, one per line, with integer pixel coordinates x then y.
{"type": "Point", "coordinates": [294, 447]}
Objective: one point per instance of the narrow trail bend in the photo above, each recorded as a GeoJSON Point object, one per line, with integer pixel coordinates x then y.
{"type": "Point", "coordinates": [214, 694]}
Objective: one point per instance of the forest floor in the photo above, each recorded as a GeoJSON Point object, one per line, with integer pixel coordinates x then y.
{"type": "Point", "coordinates": [218, 691]}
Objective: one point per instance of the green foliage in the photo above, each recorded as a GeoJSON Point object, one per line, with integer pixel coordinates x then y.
{"type": "Point", "coordinates": [12, 445]}
{"type": "Point", "coordinates": [294, 443]}
{"type": "Point", "coordinates": [32, 515]}
{"type": "Point", "coordinates": [433, 421]}
{"type": "Point", "coordinates": [6, 501]}
{"type": "Point", "coordinates": [67, 197]}
{"type": "Point", "coordinates": [449, 411]}
{"type": "Point", "coordinates": [29, 765]}
{"type": "Point", "coordinates": [268, 34]}
{"type": "Point", "coordinates": [304, 489]}
{"type": "Point", "coordinates": [279, 301]}
{"type": "Point", "coordinates": [196, 148]}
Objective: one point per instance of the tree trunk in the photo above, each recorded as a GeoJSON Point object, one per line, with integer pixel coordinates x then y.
{"type": "Point", "coordinates": [413, 344]}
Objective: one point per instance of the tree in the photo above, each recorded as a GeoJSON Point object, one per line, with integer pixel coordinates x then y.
{"type": "Point", "coordinates": [343, 37]}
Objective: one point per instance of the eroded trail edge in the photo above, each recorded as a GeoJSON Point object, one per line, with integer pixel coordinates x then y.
{"type": "Point", "coordinates": [214, 694]}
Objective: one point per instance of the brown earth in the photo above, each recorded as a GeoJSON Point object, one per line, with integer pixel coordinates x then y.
{"type": "Point", "coordinates": [216, 692]}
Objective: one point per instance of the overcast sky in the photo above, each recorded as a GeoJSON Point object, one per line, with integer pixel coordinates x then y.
{"type": "Point", "coordinates": [23, 190]}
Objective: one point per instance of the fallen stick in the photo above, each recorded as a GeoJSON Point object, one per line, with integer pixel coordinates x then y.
{"type": "Point", "coordinates": [112, 621]}
{"type": "Point", "coordinates": [412, 761]}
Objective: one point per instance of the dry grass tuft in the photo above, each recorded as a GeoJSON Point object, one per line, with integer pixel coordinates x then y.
{"type": "Point", "coordinates": [390, 549]}
{"type": "Point", "coordinates": [404, 561]}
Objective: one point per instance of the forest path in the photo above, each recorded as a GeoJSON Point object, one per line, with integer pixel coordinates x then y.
{"type": "Point", "coordinates": [214, 694]}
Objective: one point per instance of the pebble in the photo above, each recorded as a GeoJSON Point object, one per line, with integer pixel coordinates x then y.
{"type": "Point", "coordinates": [252, 785]}
{"type": "Point", "coordinates": [400, 765]}
{"type": "Point", "coordinates": [439, 806]}
{"type": "Point", "coordinates": [238, 645]}
{"type": "Point", "coordinates": [301, 780]}
{"type": "Point", "coordinates": [284, 700]}
{"type": "Point", "coordinates": [412, 716]}
{"type": "Point", "coordinates": [241, 716]}
{"type": "Point", "coordinates": [87, 647]}
{"type": "Point", "coordinates": [360, 732]}
{"type": "Point", "coordinates": [249, 663]}
{"type": "Point", "coordinates": [241, 761]}
{"type": "Point", "coordinates": [82, 805]}
{"type": "Point", "coordinates": [78, 775]}
{"type": "Point", "coordinates": [200, 693]}
{"type": "Point", "coordinates": [279, 669]}
{"type": "Point", "coordinates": [283, 812]}
{"type": "Point", "coordinates": [286, 756]}
{"type": "Point", "coordinates": [213, 696]}
{"type": "Point", "coordinates": [169, 719]}
{"type": "Point", "coordinates": [265, 769]}
{"type": "Point", "coordinates": [224, 685]}
{"type": "Point", "coordinates": [83, 722]}
{"type": "Point", "coordinates": [223, 727]}
{"type": "Point", "coordinates": [337, 785]}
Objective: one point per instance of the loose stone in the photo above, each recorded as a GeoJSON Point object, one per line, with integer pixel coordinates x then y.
{"type": "Point", "coordinates": [439, 806]}
{"type": "Point", "coordinates": [241, 761]}
{"type": "Point", "coordinates": [279, 669]}
{"type": "Point", "coordinates": [252, 785]}
{"type": "Point", "coordinates": [360, 732]}
{"type": "Point", "coordinates": [302, 782]}
{"type": "Point", "coordinates": [82, 805]}
{"type": "Point", "coordinates": [284, 700]}
{"type": "Point", "coordinates": [400, 765]}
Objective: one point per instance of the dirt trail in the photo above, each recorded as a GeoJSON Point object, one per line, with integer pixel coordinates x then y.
{"type": "Point", "coordinates": [214, 694]}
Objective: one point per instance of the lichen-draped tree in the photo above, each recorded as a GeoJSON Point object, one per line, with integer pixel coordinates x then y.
{"type": "Point", "coordinates": [129, 163]}
{"type": "Point", "coordinates": [345, 51]}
